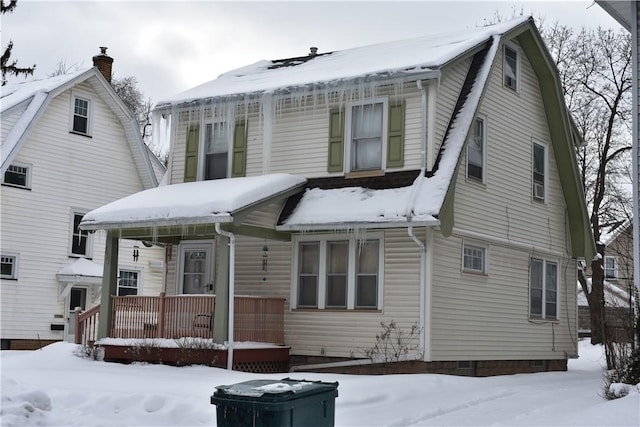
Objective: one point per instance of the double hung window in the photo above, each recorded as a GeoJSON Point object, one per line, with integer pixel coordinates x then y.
{"type": "Point", "coordinates": [216, 150]}
{"type": "Point", "coordinates": [511, 66]}
{"type": "Point", "coordinates": [539, 177]}
{"type": "Point", "coordinates": [610, 267]}
{"type": "Point", "coordinates": [81, 109]}
{"type": "Point", "coordinates": [337, 273]}
{"type": "Point", "coordinates": [476, 151]}
{"type": "Point", "coordinates": [543, 289]}
{"type": "Point", "coordinates": [80, 239]}
{"type": "Point", "coordinates": [128, 282]}
{"type": "Point", "coordinates": [366, 137]}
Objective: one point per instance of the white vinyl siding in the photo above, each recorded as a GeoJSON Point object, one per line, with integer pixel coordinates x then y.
{"type": "Point", "coordinates": [62, 181]}
{"type": "Point", "coordinates": [504, 207]}
{"type": "Point", "coordinates": [486, 317]}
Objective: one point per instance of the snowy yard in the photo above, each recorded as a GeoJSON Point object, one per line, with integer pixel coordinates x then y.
{"type": "Point", "coordinates": [53, 387]}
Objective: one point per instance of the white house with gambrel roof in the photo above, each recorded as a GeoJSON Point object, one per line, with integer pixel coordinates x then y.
{"type": "Point", "coordinates": [68, 145]}
{"type": "Point", "coordinates": [428, 182]}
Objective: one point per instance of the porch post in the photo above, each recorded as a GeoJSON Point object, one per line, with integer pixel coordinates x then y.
{"type": "Point", "coordinates": [109, 283]}
{"type": "Point", "coordinates": [221, 312]}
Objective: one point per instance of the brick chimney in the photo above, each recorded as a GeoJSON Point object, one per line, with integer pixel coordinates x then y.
{"type": "Point", "coordinates": [104, 63]}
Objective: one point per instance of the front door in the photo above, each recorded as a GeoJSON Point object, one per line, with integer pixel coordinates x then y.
{"type": "Point", "coordinates": [77, 298]}
{"type": "Point", "coordinates": [196, 268]}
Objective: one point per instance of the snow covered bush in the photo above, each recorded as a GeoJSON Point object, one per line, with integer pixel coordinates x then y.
{"type": "Point", "coordinates": [625, 376]}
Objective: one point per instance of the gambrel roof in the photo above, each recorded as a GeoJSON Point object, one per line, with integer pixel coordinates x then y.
{"type": "Point", "coordinates": [23, 104]}
{"type": "Point", "coordinates": [427, 199]}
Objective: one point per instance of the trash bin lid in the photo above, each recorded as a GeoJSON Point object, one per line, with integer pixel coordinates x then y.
{"type": "Point", "coordinates": [274, 389]}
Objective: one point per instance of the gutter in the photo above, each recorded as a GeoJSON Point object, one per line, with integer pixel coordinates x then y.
{"type": "Point", "coordinates": [232, 256]}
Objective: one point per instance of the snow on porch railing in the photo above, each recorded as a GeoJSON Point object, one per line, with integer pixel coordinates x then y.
{"type": "Point", "coordinates": [257, 319]}
{"type": "Point", "coordinates": [86, 327]}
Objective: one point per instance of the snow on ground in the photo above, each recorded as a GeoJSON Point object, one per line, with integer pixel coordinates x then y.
{"type": "Point", "coordinates": [55, 387]}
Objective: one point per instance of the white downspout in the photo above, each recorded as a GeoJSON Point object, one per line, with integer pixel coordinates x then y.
{"type": "Point", "coordinates": [232, 256]}
{"type": "Point", "coordinates": [421, 245]}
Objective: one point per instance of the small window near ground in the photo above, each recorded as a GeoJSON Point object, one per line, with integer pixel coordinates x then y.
{"type": "Point", "coordinates": [543, 292]}
{"type": "Point", "coordinates": [610, 267]}
{"type": "Point", "coordinates": [474, 259]}
{"type": "Point", "coordinates": [8, 266]}
{"type": "Point", "coordinates": [511, 68]}
{"type": "Point", "coordinates": [476, 151]}
{"type": "Point", "coordinates": [128, 282]}
{"type": "Point", "coordinates": [81, 115]}
{"type": "Point", "coordinates": [80, 239]}
{"type": "Point", "coordinates": [18, 175]}
{"type": "Point", "coordinates": [539, 171]}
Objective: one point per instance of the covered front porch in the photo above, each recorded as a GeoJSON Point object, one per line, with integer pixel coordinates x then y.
{"type": "Point", "coordinates": [193, 221]}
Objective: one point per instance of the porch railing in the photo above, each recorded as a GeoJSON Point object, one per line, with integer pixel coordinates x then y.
{"type": "Point", "coordinates": [86, 327]}
{"type": "Point", "coordinates": [258, 319]}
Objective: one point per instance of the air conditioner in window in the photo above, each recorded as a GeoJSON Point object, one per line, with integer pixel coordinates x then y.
{"type": "Point", "coordinates": [538, 190]}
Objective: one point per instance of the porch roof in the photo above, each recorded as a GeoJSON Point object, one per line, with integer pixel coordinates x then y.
{"type": "Point", "coordinates": [201, 202]}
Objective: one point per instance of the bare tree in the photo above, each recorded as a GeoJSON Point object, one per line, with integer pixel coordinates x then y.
{"type": "Point", "coordinates": [10, 67]}
{"type": "Point", "coordinates": [63, 68]}
{"type": "Point", "coordinates": [595, 70]}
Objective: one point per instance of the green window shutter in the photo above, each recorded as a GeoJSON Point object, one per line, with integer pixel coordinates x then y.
{"type": "Point", "coordinates": [239, 160]}
{"type": "Point", "coordinates": [395, 143]}
{"type": "Point", "coordinates": [191, 154]}
{"type": "Point", "coordinates": [336, 141]}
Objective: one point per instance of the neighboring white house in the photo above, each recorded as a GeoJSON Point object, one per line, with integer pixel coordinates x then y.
{"type": "Point", "coordinates": [429, 182]}
{"type": "Point", "coordinates": [69, 145]}
{"type": "Point", "coordinates": [627, 13]}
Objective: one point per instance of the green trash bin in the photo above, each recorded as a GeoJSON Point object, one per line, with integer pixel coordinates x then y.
{"type": "Point", "coordinates": [281, 403]}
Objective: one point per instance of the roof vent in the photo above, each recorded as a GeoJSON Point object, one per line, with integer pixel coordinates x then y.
{"type": "Point", "coordinates": [314, 51]}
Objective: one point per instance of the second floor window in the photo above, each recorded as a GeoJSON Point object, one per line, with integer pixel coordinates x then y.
{"type": "Point", "coordinates": [366, 136]}
{"type": "Point", "coordinates": [510, 68]}
{"type": "Point", "coordinates": [18, 175]}
{"type": "Point", "coordinates": [539, 171]}
{"type": "Point", "coordinates": [81, 110]}
{"type": "Point", "coordinates": [610, 267]}
{"type": "Point", "coordinates": [216, 150]}
{"type": "Point", "coordinates": [476, 151]}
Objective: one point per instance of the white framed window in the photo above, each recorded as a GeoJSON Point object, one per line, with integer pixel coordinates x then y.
{"type": "Point", "coordinates": [18, 175]}
{"type": "Point", "coordinates": [216, 141]}
{"type": "Point", "coordinates": [8, 266]}
{"type": "Point", "coordinates": [128, 282]}
{"type": "Point", "coordinates": [338, 272]}
{"type": "Point", "coordinates": [543, 289]}
{"type": "Point", "coordinates": [477, 151]}
{"type": "Point", "coordinates": [81, 106]}
{"type": "Point", "coordinates": [474, 258]}
{"type": "Point", "coordinates": [80, 240]}
{"type": "Point", "coordinates": [539, 172]}
{"type": "Point", "coordinates": [511, 67]}
{"type": "Point", "coordinates": [610, 267]}
{"type": "Point", "coordinates": [366, 135]}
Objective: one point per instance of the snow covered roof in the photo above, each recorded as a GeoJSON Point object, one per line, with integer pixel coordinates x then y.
{"type": "Point", "coordinates": [80, 270]}
{"type": "Point", "coordinates": [201, 202]}
{"type": "Point", "coordinates": [614, 296]}
{"type": "Point", "coordinates": [22, 104]}
{"type": "Point", "coordinates": [393, 59]}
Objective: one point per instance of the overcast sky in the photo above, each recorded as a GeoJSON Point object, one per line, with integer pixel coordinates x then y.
{"type": "Point", "coordinates": [171, 46]}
